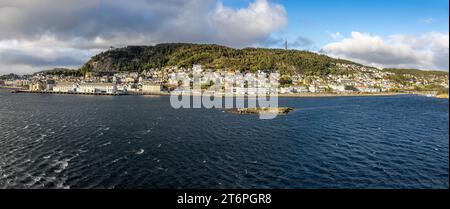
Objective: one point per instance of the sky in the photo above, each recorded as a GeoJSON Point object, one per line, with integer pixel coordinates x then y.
{"type": "Point", "coordinates": [43, 34]}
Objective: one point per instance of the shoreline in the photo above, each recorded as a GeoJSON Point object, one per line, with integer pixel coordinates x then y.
{"type": "Point", "coordinates": [11, 87]}
{"type": "Point", "coordinates": [312, 95]}
{"type": "Point", "coordinates": [294, 95]}
{"type": "Point", "coordinates": [345, 95]}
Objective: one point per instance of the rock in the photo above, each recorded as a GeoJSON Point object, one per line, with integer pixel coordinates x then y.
{"type": "Point", "coordinates": [259, 110]}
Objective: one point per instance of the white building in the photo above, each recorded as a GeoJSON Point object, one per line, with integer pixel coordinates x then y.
{"type": "Point", "coordinates": [20, 83]}
{"type": "Point", "coordinates": [97, 88]}
{"type": "Point", "coordinates": [366, 89]}
{"type": "Point", "coordinates": [245, 91]}
{"type": "Point", "coordinates": [151, 88]}
{"type": "Point", "coordinates": [299, 89]}
{"type": "Point", "coordinates": [284, 90]}
{"type": "Point", "coordinates": [67, 87]}
{"type": "Point", "coordinates": [337, 88]}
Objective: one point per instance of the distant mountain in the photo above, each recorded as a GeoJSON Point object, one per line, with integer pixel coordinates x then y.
{"type": "Point", "coordinates": [9, 76]}
{"type": "Point", "coordinates": [139, 58]}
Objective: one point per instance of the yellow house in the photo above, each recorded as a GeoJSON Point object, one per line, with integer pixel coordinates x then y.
{"type": "Point", "coordinates": [37, 86]}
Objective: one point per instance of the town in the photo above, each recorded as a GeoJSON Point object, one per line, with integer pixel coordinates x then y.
{"type": "Point", "coordinates": [361, 80]}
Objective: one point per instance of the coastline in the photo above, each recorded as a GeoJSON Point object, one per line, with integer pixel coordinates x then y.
{"type": "Point", "coordinates": [442, 96]}
{"type": "Point", "coordinates": [294, 95]}
{"type": "Point", "coordinates": [344, 95]}
{"type": "Point", "coordinates": [11, 87]}
{"type": "Point", "coordinates": [311, 95]}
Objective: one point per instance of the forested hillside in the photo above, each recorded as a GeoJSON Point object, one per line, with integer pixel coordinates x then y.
{"type": "Point", "coordinates": [139, 58]}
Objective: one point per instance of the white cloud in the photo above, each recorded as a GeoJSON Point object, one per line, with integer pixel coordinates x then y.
{"type": "Point", "coordinates": [48, 33]}
{"type": "Point", "coordinates": [427, 21]}
{"type": "Point", "coordinates": [335, 35]}
{"type": "Point", "coordinates": [23, 56]}
{"type": "Point", "coordinates": [258, 20]}
{"type": "Point", "coordinates": [428, 51]}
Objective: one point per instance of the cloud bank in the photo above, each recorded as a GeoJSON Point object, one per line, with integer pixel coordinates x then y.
{"type": "Point", "coordinates": [428, 51]}
{"type": "Point", "coordinates": [45, 33]}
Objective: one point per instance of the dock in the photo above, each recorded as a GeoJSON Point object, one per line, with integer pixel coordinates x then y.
{"type": "Point", "coordinates": [76, 93]}
{"type": "Point", "coordinates": [148, 93]}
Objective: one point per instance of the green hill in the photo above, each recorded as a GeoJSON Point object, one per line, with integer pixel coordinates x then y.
{"type": "Point", "coordinates": [416, 72]}
{"type": "Point", "coordinates": [60, 71]}
{"type": "Point", "coordinates": [139, 58]}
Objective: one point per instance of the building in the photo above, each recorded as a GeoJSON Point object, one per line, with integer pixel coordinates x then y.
{"type": "Point", "coordinates": [366, 89]}
{"type": "Point", "coordinates": [130, 80]}
{"type": "Point", "coordinates": [108, 88]}
{"type": "Point", "coordinates": [64, 87]}
{"type": "Point", "coordinates": [246, 91]}
{"type": "Point", "coordinates": [50, 84]}
{"type": "Point", "coordinates": [21, 83]}
{"type": "Point", "coordinates": [38, 86]}
{"type": "Point", "coordinates": [284, 90]}
{"type": "Point", "coordinates": [122, 88]}
{"type": "Point", "coordinates": [338, 88]}
{"type": "Point", "coordinates": [151, 88]}
{"type": "Point", "coordinates": [9, 83]}
{"type": "Point", "coordinates": [299, 89]}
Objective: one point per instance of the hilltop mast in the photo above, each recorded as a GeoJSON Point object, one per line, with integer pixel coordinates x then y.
{"type": "Point", "coordinates": [286, 45]}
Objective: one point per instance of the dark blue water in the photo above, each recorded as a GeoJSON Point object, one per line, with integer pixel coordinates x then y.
{"type": "Point", "coordinates": [68, 141]}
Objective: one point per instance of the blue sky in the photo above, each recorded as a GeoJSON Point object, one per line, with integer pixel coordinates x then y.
{"type": "Point", "coordinates": [315, 19]}
{"type": "Point", "coordinates": [37, 35]}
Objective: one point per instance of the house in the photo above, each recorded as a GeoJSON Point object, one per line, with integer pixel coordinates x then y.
{"type": "Point", "coordinates": [105, 79]}
{"type": "Point", "coordinates": [50, 84]}
{"type": "Point", "coordinates": [38, 86]}
{"type": "Point", "coordinates": [197, 69]}
{"type": "Point", "coordinates": [130, 80]}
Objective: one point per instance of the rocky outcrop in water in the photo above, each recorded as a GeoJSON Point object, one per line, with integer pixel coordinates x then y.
{"type": "Point", "coordinates": [260, 110]}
